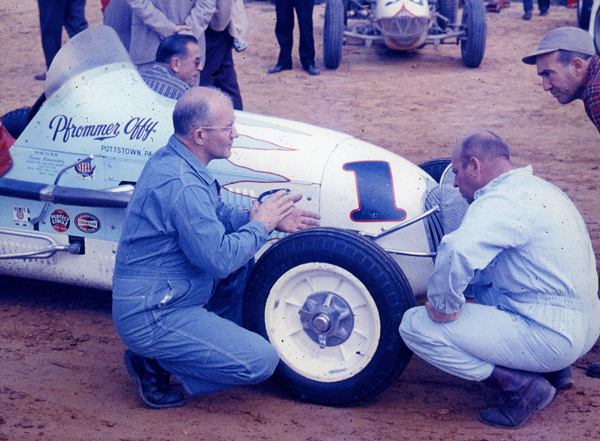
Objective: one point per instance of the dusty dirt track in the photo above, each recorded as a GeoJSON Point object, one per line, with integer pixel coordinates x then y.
{"type": "Point", "coordinates": [61, 370]}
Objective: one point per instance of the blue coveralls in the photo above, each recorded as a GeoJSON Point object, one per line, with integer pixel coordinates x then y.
{"type": "Point", "coordinates": [178, 242]}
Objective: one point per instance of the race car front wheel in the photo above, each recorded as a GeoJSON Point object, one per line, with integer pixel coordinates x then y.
{"type": "Point", "coordinates": [333, 32]}
{"type": "Point", "coordinates": [330, 301]}
{"type": "Point", "coordinates": [472, 46]}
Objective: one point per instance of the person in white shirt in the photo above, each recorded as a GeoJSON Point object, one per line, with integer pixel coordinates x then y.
{"type": "Point", "coordinates": [524, 250]}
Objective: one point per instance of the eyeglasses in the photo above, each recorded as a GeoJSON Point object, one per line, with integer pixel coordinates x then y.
{"type": "Point", "coordinates": [229, 128]}
{"type": "Point", "coordinates": [197, 62]}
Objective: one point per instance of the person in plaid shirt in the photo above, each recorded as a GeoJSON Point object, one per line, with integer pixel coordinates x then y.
{"type": "Point", "coordinates": [567, 61]}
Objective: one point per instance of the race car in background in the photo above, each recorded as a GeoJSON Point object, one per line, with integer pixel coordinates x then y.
{"type": "Point", "coordinates": [404, 25]}
{"type": "Point", "coordinates": [329, 299]}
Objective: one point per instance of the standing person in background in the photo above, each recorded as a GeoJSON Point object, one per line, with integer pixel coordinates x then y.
{"type": "Point", "coordinates": [284, 31]}
{"type": "Point", "coordinates": [117, 15]}
{"type": "Point", "coordinates": [226, 30]}
{"type": "Point", "coordinates": [153, 20]}
{"type": "Point", "coordinates": [544, 5]}
{"type": "Point", "coordinates": [54, 14]}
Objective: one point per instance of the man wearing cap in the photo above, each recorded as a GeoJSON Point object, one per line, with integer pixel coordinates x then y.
{"type": "Point", "coordinates": [566, 60]}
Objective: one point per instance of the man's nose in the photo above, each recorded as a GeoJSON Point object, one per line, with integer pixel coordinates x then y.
{"type": "Point", "coordinates": [546, 84]}
{"type": "Point", "coordinates": [455, 181]}
{"type": "Point", "coordinates": [234, 132]}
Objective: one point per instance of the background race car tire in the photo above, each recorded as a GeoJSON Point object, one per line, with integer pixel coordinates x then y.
{"type": "Point", "coordinates": [472, 46]}
{"type": "Point", "coordinates": [333, 33]}
{"type": "Point", "coordinates": [16, 121]}
{"type": "Point", "coordinates": [436, 167]}
{"type": "Point", "coordinates": [584, 12]}
{"type": "Point", "coordinates": [597, 30]}
{"type": "Point", "coordinates": [448, 9]}
{"type": "Point", "coordinates": [345, 269]}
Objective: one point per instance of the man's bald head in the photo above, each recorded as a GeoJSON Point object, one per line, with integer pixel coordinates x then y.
{"type": "Point", "coordinates": [195, 109]}
{"type": "Point", "coordinates": [483, 145]}
{"type": "Point", "coordinates": [478, 159]}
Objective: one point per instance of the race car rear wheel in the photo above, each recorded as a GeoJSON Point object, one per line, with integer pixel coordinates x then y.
{"type": "Point", "coordinates": [330, 301]}
{"type": "Point", "coordinates": [584, 13]}
{"type": "Point", "coordinates": [333, 33]}
{"type": "Point", "coordinates": [472, 46]}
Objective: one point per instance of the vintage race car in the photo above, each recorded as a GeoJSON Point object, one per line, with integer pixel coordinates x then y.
{"type": "Point", "coordinates": [330, 299]}
{"type": "Point", "coordinates": [404, 25]}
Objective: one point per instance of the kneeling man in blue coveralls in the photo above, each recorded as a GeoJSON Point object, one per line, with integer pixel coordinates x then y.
{"type": "Point", "coordinates": [183, 260]}
{"type": "Point", "coordinates": [525, 251]}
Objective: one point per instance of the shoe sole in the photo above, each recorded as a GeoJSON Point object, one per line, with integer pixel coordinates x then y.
{"type": "Point", "coordinates": [138, 384]}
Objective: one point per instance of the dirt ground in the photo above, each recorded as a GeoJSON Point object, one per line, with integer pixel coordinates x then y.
{"type": "Point", "coordinates": [61, 370]}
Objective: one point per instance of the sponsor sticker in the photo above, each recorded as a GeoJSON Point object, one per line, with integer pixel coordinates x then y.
{"type": "Point", "coordinates": [21, 216]}
{"type": "Point", "coordinates": [85, 169]}
{"type": "Point", "coordinates": [60, 221]}
{"type": "Point", "coordinates": [88, 223]}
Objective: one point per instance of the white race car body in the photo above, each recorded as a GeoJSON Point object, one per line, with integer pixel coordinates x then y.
{"type": "Point", "coordinates": [109, 113]}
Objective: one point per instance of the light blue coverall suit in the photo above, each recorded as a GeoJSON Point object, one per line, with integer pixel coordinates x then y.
{"type": "Point", "coordinates": [525, 249]}
{"type": "Point", "coordinates": [178, 242]}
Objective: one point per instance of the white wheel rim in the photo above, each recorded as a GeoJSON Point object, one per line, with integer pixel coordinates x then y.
{"type": "Point", "coordinates": [296, 348]}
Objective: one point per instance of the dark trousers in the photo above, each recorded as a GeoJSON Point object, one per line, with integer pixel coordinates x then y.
{"type": "Point", "coordinates": [544, 5]}
{"type": "Point", "coordinates": [219, 70]}
{"type": "Point", "coordinates": [284, 30]}
{"type": "Point", "coordinates": [54, 14]}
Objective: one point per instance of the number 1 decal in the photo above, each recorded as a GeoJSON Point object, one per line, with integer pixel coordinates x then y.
{"type": "Point", "coordinates": [376, 200]}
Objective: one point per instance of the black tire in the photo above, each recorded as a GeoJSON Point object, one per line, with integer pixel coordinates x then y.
{"type": "Point", "coordinates": [584, 13]}
{"type": "Point", "coordinates": [597, 31]}
{"type": "Point", "coordinates": [436, 167]}
{"type": "Point", "coordinates": [36, 107]}
{"type": "Point", "coordinates": [448, 9]}
{"type": "Point", "coordinates": [360, 268]}
{"type": "Point", "coordinates": [472, 46]}
{"type": "Point", "coordinates": [333, 33]}
{"type": "Point", "coordinates": [16, 121]}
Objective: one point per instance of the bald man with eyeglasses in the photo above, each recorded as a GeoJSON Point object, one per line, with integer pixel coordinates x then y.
{"type": "Point", "coordinates": [183, 260]}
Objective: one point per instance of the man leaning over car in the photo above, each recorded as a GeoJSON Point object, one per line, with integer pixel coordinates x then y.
{"type": "Point", "coordinates": [525, 250]}
{"type": "Point", "coordinates": [183, 259]}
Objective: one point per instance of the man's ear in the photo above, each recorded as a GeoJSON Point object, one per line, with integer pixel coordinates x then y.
{"type": "Point", "coordinates": [175, 64]}
{"type": "Point", "coordinates": [198, 136]}
{"type": "Point", "coordinates": [579, 67]}
{"type": "Point", "coordinates": [475, 166]}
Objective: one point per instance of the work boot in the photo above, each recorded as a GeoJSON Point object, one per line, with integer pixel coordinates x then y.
{"type": "Point", "coordinates": [523, 393]}
{"type": "Point", "coordinates": [561, 380]}
{"type": "Point", "coordinates": [152, 381]}
{"type": "Point", "coordinates": [594, 370]}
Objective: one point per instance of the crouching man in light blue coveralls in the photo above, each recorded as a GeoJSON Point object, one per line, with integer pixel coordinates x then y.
{"type": "Point", "coordinates": [526, 252]}
{"type": "Point", "coordinates": [183, 259]}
